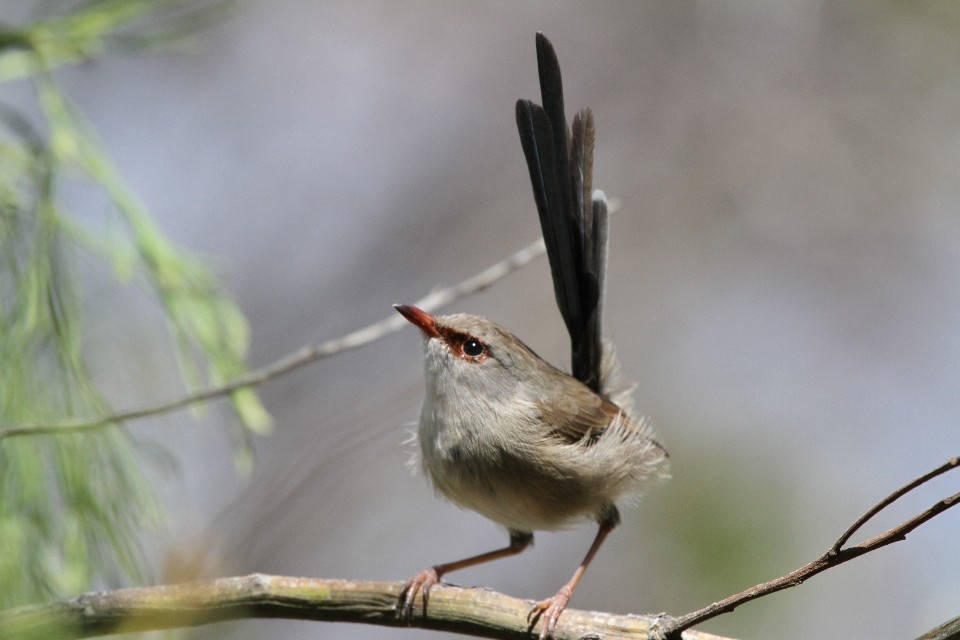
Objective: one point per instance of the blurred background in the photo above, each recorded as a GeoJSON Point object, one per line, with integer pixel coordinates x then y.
{"type": "Point", "coordinates": [784, 286]}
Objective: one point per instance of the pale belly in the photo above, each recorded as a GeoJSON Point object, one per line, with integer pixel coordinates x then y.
{"type": "Point", "coordinates": [507, 488]}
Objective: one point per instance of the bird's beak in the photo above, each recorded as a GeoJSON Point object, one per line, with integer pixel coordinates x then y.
{"type": "Point", "coordinates": [426, 322]}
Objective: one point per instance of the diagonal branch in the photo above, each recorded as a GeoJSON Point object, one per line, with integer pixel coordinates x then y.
{"type": "Point", "coordinates": [478, 612]}
{"type": "Point", "coordinates": [949, 630]}
{"type": "Point", "coordinates": [304, 356]}
{"type": "Point", "coordinates": [836, 555]}
{"type": "Point", "coordinates": [890, 499]}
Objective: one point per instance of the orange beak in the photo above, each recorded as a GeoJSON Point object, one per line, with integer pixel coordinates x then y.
{"type": "Point", "coordinates": [423, 320]}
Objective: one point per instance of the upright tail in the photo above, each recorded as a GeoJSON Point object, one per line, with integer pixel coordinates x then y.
{"type": "Point", "coordinates": [573, 217]}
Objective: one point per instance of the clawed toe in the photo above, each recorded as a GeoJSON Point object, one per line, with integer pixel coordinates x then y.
{"type": "Point", "coordinates": [420, 583]}
{"type": "Point", "coordinates": [548, 611]}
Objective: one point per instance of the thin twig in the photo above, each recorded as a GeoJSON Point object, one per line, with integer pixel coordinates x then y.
{"type": "Point", "coordinates": [308, 354]}
{"type": "Point", "coordinates": [836, 555]}
{"type": "Point", "coordinates": [890, 499]}
{"type": "Point", "coordinates": [304, 356]}
{"type": "Point", "coordinates": [478, 612]}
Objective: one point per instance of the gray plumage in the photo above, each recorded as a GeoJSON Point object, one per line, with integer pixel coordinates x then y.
{"type": "Point", "coordinates": [520, 442]}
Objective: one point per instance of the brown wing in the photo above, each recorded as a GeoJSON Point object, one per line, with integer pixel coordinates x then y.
{"type": "Point", "coordinates": [583, 421]}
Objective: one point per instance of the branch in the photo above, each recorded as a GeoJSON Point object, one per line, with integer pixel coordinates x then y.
{"type": "Point", "coordinates": [304, 356]}
{"type": "Point", "coordinates": [478, 612]}
{"type": "Point", "coordinates": [836, 555]}
{"type": "Point", "coordinates": [890, 499]}
{"type": "Point", "coordinates": [949, 630]}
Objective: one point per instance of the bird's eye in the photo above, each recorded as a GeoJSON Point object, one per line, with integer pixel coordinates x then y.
{"type": "Point", "coordinates": [472, 348]}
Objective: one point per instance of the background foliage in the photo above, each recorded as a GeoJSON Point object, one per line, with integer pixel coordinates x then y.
{"type": "Point", "coordinates": [73, 507]}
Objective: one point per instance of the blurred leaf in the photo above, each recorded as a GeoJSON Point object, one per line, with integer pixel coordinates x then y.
{"type": "Point", "coordinates": [97, 27]}
{"type": "Point", "coordinates": [251, 411]}
{"type": "Point", "coordinates": [73, 507]}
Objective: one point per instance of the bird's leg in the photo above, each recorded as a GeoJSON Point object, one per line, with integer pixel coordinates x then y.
{"type": "Point", "coordinates": [549, 610]}
{"type": "Point", "coordinates": [422, 581]}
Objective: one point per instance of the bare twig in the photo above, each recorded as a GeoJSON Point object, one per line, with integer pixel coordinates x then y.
{"type": "Point", "coordinates": [304, 356]}
{"type": "Point", "coordinates": [836, 555]}
{"type": "Point", "coordinates": [949, 630]}
{"type": "Point", "coordinates": [890, 499]}
{"type": "Point", "coordinates": [478, 612]}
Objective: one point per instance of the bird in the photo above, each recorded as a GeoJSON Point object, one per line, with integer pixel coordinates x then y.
{"type": "Point", "coordinates": [506, 434]}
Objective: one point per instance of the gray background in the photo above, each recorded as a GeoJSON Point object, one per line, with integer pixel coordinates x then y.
{"type": "Point", "coordinates": [783, 285]}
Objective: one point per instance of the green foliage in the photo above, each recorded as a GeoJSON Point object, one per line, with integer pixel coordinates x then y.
{"type": "Point", "coordinates": [72, 506]}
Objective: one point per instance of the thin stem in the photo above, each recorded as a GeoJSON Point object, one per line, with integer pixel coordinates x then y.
{"type": "Point", "coordinates": [304, 356]}
{"type": "Point", "coordinates": [893, 497]}
{"type": "Point", "coordinates": [836, 555]}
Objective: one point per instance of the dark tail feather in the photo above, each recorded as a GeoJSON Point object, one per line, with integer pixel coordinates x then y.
{"type": "Point", "coordinates": [574, 224]}
{"type": "Point", "coordinates": [536, 137]}
{"type": "Point", "coordinates": [587, 349]}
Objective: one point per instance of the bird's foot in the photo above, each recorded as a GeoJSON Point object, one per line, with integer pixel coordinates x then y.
{"type": "Point", "coordinates": [548, 611]}
{"type": "Point", "coordinates": [421, 583]}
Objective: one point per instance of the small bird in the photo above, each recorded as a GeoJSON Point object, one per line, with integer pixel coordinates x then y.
{"type": "Point", "coordinates": [504, 433]}
{"type": "Point", "coordinates": [507, 435]}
